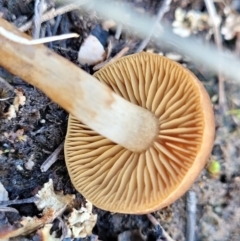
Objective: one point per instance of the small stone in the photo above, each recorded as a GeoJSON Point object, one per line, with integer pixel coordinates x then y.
{"type": "Point", "coordinates": [91, 51]}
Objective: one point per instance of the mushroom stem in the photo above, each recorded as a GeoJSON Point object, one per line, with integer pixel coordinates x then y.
{"type": "Point", "coordinates": [79, 93]}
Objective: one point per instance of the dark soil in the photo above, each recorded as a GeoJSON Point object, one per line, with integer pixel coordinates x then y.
{"type": "Point", "coordinates": [44, 123]}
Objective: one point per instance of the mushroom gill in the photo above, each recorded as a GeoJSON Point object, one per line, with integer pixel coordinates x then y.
{"type": "Point", "coordinates": [118, 180]}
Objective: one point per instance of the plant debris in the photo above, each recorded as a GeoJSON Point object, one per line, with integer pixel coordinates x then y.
{"type": "Point", "coordinates": [32, 127]}
{"type": "Point", "coordinates": [189, 22]}
{"type": "Point", "coordinates": [231, 26]}
{"type": "Point", "coordinates": [19, 100]}
{"type": "Point", "coordinates": [79, 222]}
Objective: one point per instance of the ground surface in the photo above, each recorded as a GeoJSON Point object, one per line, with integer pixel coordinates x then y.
{"type": "Point", "coordinates": [40, 127]}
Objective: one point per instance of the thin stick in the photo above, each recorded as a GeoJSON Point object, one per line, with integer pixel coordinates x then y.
{"type": "Point", "coordinates": [217, 36]}
{"type": "Point", "coordinates": [7, 209]}
{"type": "Point", "coordinates": [52, 158]}
{"type": "Point", "coordinates": [14, 202]}
{"type": "Point", "coordinates": [38, 10]}
{"type": "Point", "coordinates": [53, 13]}
{"type": "Point", "coordinates": [57, 23]}
{"type": "Point", "coordinates": [18, 39]}
{"type": "Point", "coordinates": [191, 215]}
{"type": "Point", "coordinates": [117, 56]}
{"type": "Point", "coordinates": [162, 10]}
{"type": "Point", "coordinates": [157, 224]}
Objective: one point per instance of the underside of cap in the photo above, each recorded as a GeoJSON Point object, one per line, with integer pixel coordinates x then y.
{"type": "Point", "coordinates": [118, 180]}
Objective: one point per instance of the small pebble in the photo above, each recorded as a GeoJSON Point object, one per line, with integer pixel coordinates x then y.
{"type": "Point", "coordinates": [19, 167]}
{"type": "Point", "coordinates": [29, 165]}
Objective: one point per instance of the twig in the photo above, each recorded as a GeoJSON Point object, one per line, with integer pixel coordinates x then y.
{"type": "Point", "coordinates": [57, 23]}
{"type": "Point", "coordinates": [217, 36]}
{"type": "Point", "coordinates": [49, 34]}
{"type": "Point", "coordinates": [117, 56]}
{"type": "Point", "coordinates": [198, 52]}
{"type": "Point", "coordinates": [38, 10]}
{"type": "Point", "coordinates": [156, 224]}
{"type": "Point", "coordinates": [66, 50]}
{"type": "Point", "coordinates": [52, 158]}
{"type": "Point", "coordinates": [162, 10]}
{"type": "Point", "coordinates": [53, 13]}
{"type": "Point", "coordinates": [191, 215]}
{"type": "Point", "coordinates": [14, 202]}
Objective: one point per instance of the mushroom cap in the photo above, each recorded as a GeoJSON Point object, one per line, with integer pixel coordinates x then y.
{"type": "Point", "coordinates": [118, 180]}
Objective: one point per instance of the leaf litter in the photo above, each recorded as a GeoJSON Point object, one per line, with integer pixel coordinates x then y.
{"type": "Point", "coordinates": [78, 221]}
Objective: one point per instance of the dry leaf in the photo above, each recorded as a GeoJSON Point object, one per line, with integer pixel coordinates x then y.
{"type": "Point", "coordinates": [232, 24]}
{"type": "Point", "coordinates": [189, 22]}
{"type": "Point", "coordinates": [27, 225]}
{"type": "Point", "coordinates": [11, 113]}
{"type": "Point", "coordinates": [81, 222]}
{"type": "Point", "coordinates": [49, 199]}
{"type": "Point", "coordinates": [20, 99]}
{"type": "Point", "coordinates": [16, 136]}
{"type": "Point", "coordinates": [52, 205]}
{"type": "Point", "coordinates": [44, 234]}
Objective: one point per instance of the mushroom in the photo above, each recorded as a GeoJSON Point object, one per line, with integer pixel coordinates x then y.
{"type": "Point", "coordinates": [77, 92]}
{"type": "Point", "coordinates": [117, 179]}
{"type": "Point", "coordinates": [148, 152]}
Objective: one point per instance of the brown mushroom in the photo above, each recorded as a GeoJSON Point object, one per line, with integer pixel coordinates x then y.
{"type": "Point", "coordinates": [120, 180]}
{"type": "Point", "coordinates": [138, 179]}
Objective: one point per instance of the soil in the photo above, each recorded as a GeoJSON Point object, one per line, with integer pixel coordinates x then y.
{"type": "Point", "coordinates": [42, 125]}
